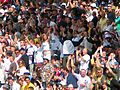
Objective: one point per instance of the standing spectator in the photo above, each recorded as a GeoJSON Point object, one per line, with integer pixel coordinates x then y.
{"type": "Point", "coordinates": [13, 65]}
{"type": "Point", "coordinates": [46, 46]}
{"type": "Point", "coordinates": [21, 69]}
{"type": "Point", "coordinates": [95, 19]}
{"type": "Point", "coordinates": [111, 14]}
{"type": "Point", "coordinates": [84, 60]}
{"type": "Point", "coordinates": [13, 84]}
{"type": "Point", "coordinates": [29, 84]}
{"type": "Point", "coordinates": [24, 57]}
{"type": "Point", "coordinates": [114, 85]}
{"type": "Point", "coordinates": [103, 21]}
{"type": "Point", "coordinates": [83, 79]}
{"type": "Point", "coordinates": [2, 69]}
{"type": "Point", "coordinates": [22, 84]}
{"type": "Point", "coordinates": [48, 72]}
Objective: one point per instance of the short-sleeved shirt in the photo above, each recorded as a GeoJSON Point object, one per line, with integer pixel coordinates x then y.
{"type": "Point", "coordinates": [47, 71]}
{"type": "Point", "coordinates": [85, 65]}
{"type": "Point", "coordinates": [30, 85]}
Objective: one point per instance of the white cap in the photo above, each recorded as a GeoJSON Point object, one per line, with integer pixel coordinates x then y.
{"type": "Point", "coordinates": [107, 35]}
{"type": "Point", "coordinates": [93, 5]}
{"type": "Point", "coordinates": [70, 86]}
{"type": "Point", "coordinates": [13, 6]}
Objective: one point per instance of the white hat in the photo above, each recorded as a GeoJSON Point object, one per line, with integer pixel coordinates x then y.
{"type": "Point", "coordinates": [13, 6]}
{"type": "Point", "coordinates": [54, 4]}
{"type": "Point", "coordinates": [63, 4]}
{"type": "Point", "coordinates": [93, 5]}
{"type": "Point", "coordinates": [70, 86]}
{"type": "Point", "coordinates": [107, 35]}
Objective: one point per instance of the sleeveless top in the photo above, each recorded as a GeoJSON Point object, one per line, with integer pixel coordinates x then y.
{"type": "Point", "coordinates": [45, 46]}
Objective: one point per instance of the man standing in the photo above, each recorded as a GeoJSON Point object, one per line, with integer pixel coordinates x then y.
{"type": "Point", "coordinates": [84, 60]}
{"type": "Point", "coordinates": [13, 85]}
{"type": "Point", "coordinates": [47, 72]}
{"type": "Point", "coordinates": [103, 21]}
{"type": "Point", "coordinates": [29, 84]}
{"type": "Point", "coordinates": [84, 80]}
{"type": "Point", "coordinates": [111, 14]}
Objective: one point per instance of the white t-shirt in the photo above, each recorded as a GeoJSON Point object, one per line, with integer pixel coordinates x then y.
{"type": "Point", "coordinates": [15, 86]}
{"type": "Point", "coordinates": [82, 80]}
{"type": "Point", "coordinates": [7, 63]}
{"type": "Point", "coordinates": [108, 28]}
{"type": "Point", "coordinates": [68, 47]}
{"type": "Point", "coordinates": [85, 64]}
{"type": "Point", "coordinates": [38, 56]}
{"type": "Point", "coordinates": [45, 45]}
{"type": "Point", "coordinates": [2, 72]}
{"type": "Point", "coordinates": [22, 71]}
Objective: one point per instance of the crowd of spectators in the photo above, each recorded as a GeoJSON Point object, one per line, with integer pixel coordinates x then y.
{"type": "Point", "coordinates": [59, 45]}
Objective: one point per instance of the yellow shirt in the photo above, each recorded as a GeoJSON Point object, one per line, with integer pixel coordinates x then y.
{"type": "Point", "coordinates": [103, 23]}
{"type": "Point", "coordinates": [23, 87]}
{"type": "Point", "coordinates": [30, 85]}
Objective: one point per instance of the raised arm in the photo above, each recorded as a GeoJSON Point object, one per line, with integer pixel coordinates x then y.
{"type": "Point", "coordinates": [68, 61]}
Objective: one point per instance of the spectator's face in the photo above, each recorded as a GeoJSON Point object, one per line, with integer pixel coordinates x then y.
{"type": "Point", "coordinates": [45, 61]}
{"type": "Point", "coordinates": [83, 73]}
{"type": "Point", "coordinates": [22, 51]}
{"type": "Point", "coordinates": [6, 36]}
{"type": "Point", "coordinates": [21, 83]}
{"type": "Point", "coordinates": [22, 43]}
{"type": "Point", "coordinates": [62, 70]}
{"type": "Point", "coordinates": [54, 12]}
{"type": "Point", "coordinates": [20, 64]}
{"type": "Point", "coordinates": [11, 59]}
{"type": "Point", "coordinates": [103, 15]}
{"type": "Point", "coordinates": [17, 53]}
{"type": "Point", "coordinates": [12, 49]}
{"type": "Point", "coordinates": [68, 20]}
{"type": "Point", "coordinates": [104, 54]}
{"type": "Point", "coordinates": [10, 82]}
{"type": "Point", "coordinates": [99, 72]}
{"type": "Point", "coordinates": [45, 37]}
{"type": "Point", "coordinates": [84, 51]}
{"type": "Point", "coordinates": [8, 48]}
{"type": "Point", "coordinates": [27, 80]}
{"type": "Point", "coordinates": [109, 9]}
{"type": "Point", "coordinates": [22, 8]}
{"type": "Point", "coordinates": [108, 22]}
{"type": "Point", "coordinates": [73, 21]}
{"type": "Point", "coordinates": [34, 75]}
{"type": "Point", "coordinates": [5, 89]}
{"type": "Point", "coordinates": [104, 86]}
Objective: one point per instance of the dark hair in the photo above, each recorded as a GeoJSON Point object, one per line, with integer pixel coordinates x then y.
{"type": "Point", "coordinates": [27, 77]}
{"type": "Point", "coordinates": [109, 75]}
{"type": "Point", "coordinates": [31, 88]}
{"type": "Point", "coordinates": [0, 25]}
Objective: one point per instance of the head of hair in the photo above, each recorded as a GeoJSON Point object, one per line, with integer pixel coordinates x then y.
{"type": "Point", "coordinates": [30, 88]}
{"type": "Point", "coordinates": [22, 62]}
{"type": "Point", "coordinates": [109, 75]}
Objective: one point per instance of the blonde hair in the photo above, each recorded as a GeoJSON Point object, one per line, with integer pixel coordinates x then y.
{"type": "Point", "coordinates": [23, 63]}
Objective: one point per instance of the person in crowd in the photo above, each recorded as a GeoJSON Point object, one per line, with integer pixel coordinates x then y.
{"type": "Point", "coordinates": [29, 84]}
{"type": "Point", "coordinates": [21, 69]}
{"type": "Point", "coordinates": [43, 41]}
{"type": "Point", "coordinates": [83, 79]}
{"type": "Point", "coordinates": [13, 85]}
{"type": "Point", "coordinates": [13, 65]}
